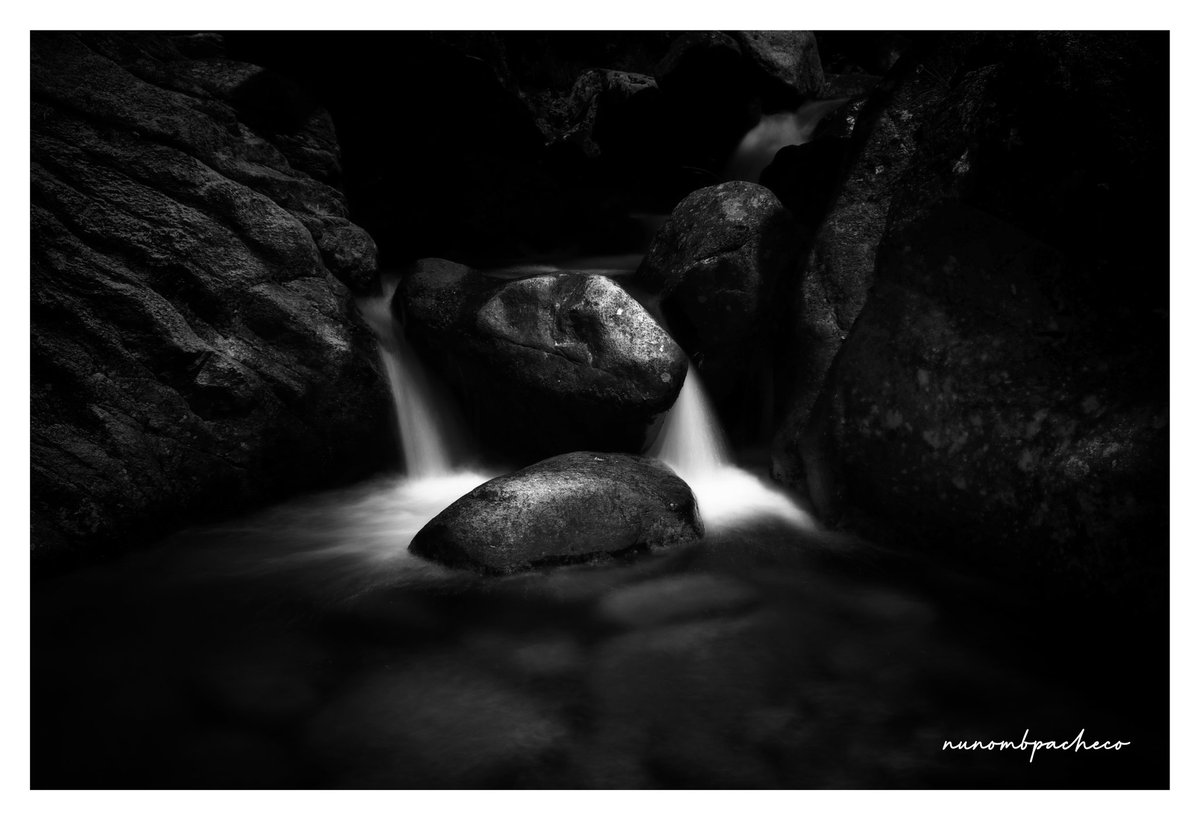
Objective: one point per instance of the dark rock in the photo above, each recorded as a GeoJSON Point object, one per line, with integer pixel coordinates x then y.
{"type": "Point", "coordinates": [563, 509]}
{"type": "Point", "coordinates": [968, 412]}
{"type": "Point", "coordinates": [610, 138]}
{"type": "Point", "coordinates": [1065, 136]}
{"type": "Point", "coordinates": [842, 190]}
{"type": "Point", "coordinates": [848, 86]}
{"type": "Point", "coordinates": [788, 60]}
{"type": "Point", "coordinates": [715, 264]}
{"type": "Point", "coordinates": [447, 161]}
{"type": "Point", "coordinates": [1002, 396]}
{"type": "Point", "coordinates": [805, 177]}
{"type": "Point", "coordinates": [546, 364]}
{"type": "Point", "coordinates": [600, 99]}
{"type": "Point", "coordinates": [191, 349]}
{"type": "Point", "coordinates": [870, 52]}
{"type": "Point", "coordinates": [840, 123]}
{"type": "Point", "coordinates": [697, 59]}
{"type": "Point", "coordinates": [711, 98]}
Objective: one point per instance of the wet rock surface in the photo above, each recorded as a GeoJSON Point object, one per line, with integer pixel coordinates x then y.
{"type": "Point", "coordinates": [968, 400]}
{"type": "Point", "coordinates": [570, 507]}
{"type": "Point", "coordinates": [716, 264]}
{"type": "Point", "coordinates": [193, 349]}
{"type": "Point", "coordinates": [788, 59]}
{"type": "Point", "coordinates": [840, 187]}
{"type": "Point", "coordinates": [546, 364]}
{"type": "Point", "coordinates": [985, 352]}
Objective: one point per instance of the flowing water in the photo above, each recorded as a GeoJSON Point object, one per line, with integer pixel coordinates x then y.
{"type": "Point", "coordinates": [773, 132]}
{"type": "Point", "coordinates": [692, 443]}
{"type": "Point", "coordinates": [426, 420]}
{"type": "Point", "coordinates": [303, 646]}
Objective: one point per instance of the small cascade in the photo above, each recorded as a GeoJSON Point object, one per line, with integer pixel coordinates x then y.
{"type": "Point", "coordinates": [692, 444]}
{"type": "Point", "coordinates": [691, 440]}
{"type": "Point", "coordinates": [425, 419]}
{"type": "Point", "coordinates": [773, 132]}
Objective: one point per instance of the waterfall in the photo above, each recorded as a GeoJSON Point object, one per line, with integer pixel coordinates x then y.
{"type": "Point", "coordinates": [425, 420]}
{"type": "Point", "coordinates": [692, 444]}
{"type": "Point", "coordinates": [691, 440]}
{"type": "Point", "coordinates": [773, 132]}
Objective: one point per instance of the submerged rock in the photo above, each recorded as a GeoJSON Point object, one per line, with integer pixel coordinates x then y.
{"type": "Point", "coordinates": [563, 509]}
{"type": "Point", "coordinates": [192, 350]}
{"type": "Point", "coordinates": [435, 722]}
{"type": "Point", "coordinates": [545, 364]}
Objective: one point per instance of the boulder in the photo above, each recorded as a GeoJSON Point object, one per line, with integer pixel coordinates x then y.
{"type": "Point", "coordinates": [698, 59]}
{"type": "Point", "coordinates": [806, 176]}
{"type": "Point", "coordinates": [840, 191]}
{"type": "Point", "coordinates": [600, 100]}
{"type": "Point", "coordinates": [546, 364]}
{"type": "Point", "coordinates": [787, 61]}
{"type": "Point", "coordinates": [715, 264]}
{"type": "Point", "coordinates": [564, 509]}
{"type": "Point", "coordinates": [1002, 396]}
{"type": "Point", "coordinates": [966, 412]}
{"type": "Point", "coordinates": [192, 350]}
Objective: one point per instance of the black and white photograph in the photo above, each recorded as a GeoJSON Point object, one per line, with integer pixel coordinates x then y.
{"type": "Point", "coordinates": [570, 408]}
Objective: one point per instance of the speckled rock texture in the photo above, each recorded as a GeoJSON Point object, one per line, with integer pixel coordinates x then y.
{"type": "Point", "coordinates": [1002, 396]}
{"type": "Point", "coordinates": [841, 190]}
{"type": "Point", "coordinates": [599, 109]}
{"type": "Point", "coordinates": [194, 342]}
{"type": "Point", "coordinates": [788, 58]}
{"type": "Point", "coordinates": [561, 510]}
{"type": "Point", "coordinates": [547, 364]}
{"type": "Point", "coordinates": [960, 409]}
{"type": "Point", "coordinates": [715, 264]}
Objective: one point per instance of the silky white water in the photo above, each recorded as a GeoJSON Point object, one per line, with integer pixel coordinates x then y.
{"type": "Point", "coordinates": [773, 132]}
{"type": "Point", "coordinates": [692, 444]}
{"type": "Point", "coordinates": [425, 419]}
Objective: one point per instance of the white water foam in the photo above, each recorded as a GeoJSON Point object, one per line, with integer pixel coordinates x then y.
{"type": "Point", "coordinates": [692, 444]}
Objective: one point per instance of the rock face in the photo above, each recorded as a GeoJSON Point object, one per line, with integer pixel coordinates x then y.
{"type": "Point", "coordinates": [563, 509]}
{"type": "Point", "coordinates": [547, 364]}
{"type": "Point", "coordinates": [984, 420]}
{"type": "Point", "coordinates": [789, 59]}
{"type": "Point", "coordinates": [191, 349]}
{"type": "Point", "coordinates": [450, 154]}
{"type": "Point", "coordinates": [840, 190]}
{"type": "Point", "coordinates": [601, 107]}
{"type": "Point", "coordinates": [716, 263]}
{"type": "Point", "coordinates": [1002, 394]}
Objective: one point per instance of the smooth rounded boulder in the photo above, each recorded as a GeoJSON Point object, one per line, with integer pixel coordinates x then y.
{"type": "Point", "coordinates": [547, 364]}
{"type": "Point", "coordinates": [715, 264]}
{"type": "Point", "coordinates": [788, 59]}
{"type": "Point", "coordinates": [563, 510]}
